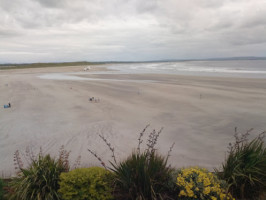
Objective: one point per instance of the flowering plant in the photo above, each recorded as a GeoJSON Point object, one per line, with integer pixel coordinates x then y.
{"type": "Point", "coordinates": [198, 183]}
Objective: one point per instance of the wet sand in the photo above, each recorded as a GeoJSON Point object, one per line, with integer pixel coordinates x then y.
{"type": "Point", "coordinates": [199, 114]}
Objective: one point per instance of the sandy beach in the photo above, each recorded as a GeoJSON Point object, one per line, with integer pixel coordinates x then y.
{"type": "Point", "coordinates": [199, 114]}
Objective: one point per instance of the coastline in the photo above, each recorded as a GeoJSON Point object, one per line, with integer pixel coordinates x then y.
{"type": "Point", "coordinates": [199, 114]}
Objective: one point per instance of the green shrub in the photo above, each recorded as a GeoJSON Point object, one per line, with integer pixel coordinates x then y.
{"type": "Point", "coordinates": [86, 184]}
{"type": "Point", "coordinates": [245, 168]}
{"type": "Point", "coordinates": [39, 181]}
{"type": "Point", "coordinates": [1, 189]}
{"type": "Point", "coordinates": [142, 176]}
{"type": "Point", "coordinates": [197, 183]}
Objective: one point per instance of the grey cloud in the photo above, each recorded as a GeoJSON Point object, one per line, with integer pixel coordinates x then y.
{"type": "Point", "coordinates": [52, 3]}
{"type": "Point", "coordinates": [218, 26]}
{"type": "Point", "coordinates": [8, 33]}
{"type": "Point", "coordinates": [246, 37]}
{"type": "Point", "coordinates": [130, 29]}
{"type": "Point", "coordinates": [146, 6]}
{"type": "Point", "coordinates": [211, 3]}
{"type": "Point", "coordinates": [255, 20]}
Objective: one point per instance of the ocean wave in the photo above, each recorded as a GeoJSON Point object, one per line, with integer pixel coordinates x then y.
{"type": "Point", "coordinates": [207, 67]}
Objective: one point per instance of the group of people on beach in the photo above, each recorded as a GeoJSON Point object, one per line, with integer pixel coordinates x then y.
{"type": "Point", "coordinates": [95, 100]}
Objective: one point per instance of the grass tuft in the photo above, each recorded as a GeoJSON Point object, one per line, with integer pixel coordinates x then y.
{"type": "Point", "coordinates": [245, 167]}
{"type": "Point", "coordinates": [143, 175]}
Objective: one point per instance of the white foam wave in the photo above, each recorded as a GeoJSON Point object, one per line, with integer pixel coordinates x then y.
{"type": "Point", "coordinates": [181, 67]}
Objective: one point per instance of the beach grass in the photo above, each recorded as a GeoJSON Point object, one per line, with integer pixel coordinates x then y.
{"type": "Point", "coordinates": [42, 65]}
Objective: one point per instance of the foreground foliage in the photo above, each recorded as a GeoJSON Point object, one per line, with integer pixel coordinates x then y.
{"type": "Point", "coordinates": [197, 183]}
{"type": "Point", "coordinates": [245, 167]}
{"type": "Point", "coordinates": [1, 189]}
{"type": "Point", "coordinates": [86, 183]}
{"type": "Point", "coordinates": [39, 181]}
{"type": "Point", "coordinates": [142, 176]}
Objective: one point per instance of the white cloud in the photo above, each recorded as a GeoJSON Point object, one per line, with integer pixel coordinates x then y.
{"type": "Point", "coordinates": [48, 31]}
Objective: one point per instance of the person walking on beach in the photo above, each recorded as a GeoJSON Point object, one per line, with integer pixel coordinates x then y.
{"type": "Point", "coordinates": [9, 105]}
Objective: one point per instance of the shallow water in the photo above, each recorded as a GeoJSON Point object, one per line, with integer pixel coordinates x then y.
{"type": "Point", "coordinates": [74, 77]}
{"type": "Point", "coordinates": [232, 68]}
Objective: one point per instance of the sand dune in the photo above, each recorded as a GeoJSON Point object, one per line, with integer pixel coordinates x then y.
{"type": "Point", "coordinates": [198, 114]}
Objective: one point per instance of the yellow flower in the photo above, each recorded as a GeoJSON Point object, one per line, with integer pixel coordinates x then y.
{"type": "Point", "coordinates": [191, 180]}
{"type": "Point", "coordinates": [222, 196]}
{"type": "Point", "coordinates": [182, 193]}
{"type": "Point", "coordinates": [206, 182]}
{"type": "Point", "coordinates": [206, 190]}
{"type": "Point", "coordinates": [190, 193]}
{"type": "Point", "coordinates": [190, 185]}
{"type": "Point", "coordinates": [181, 181]}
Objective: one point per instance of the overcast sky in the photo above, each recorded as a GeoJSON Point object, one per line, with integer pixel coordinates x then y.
{"type": "Point", "coordinates": [130, 30]}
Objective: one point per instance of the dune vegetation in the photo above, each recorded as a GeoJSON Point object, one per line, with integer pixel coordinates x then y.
{"type": "Point", "coordinates": [41, 65]}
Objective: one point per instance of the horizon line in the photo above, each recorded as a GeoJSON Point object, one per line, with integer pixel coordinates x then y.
{"type": "Point", "coordinates": [145, 61]}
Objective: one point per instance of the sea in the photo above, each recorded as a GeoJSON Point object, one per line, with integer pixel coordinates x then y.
{"type": "Point", "coordinates": [224, 68]}
{"type": "Point", "coordinates": [220, 68]}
